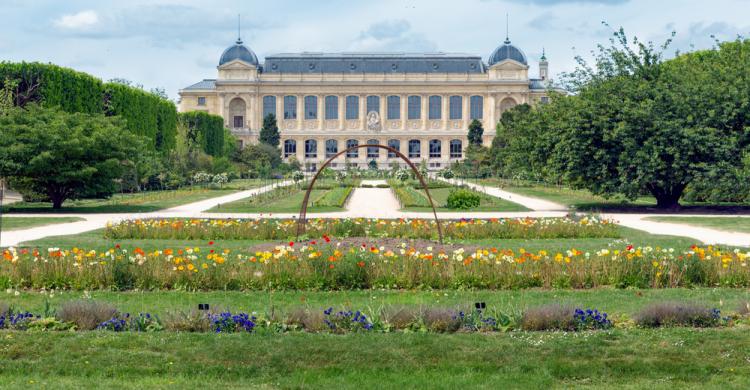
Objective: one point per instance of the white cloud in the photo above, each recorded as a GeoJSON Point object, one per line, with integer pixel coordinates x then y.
{"type": "Point", "coordinates": [79, 20]}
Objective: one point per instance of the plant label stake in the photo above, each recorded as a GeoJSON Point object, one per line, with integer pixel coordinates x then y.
{"type": "Point", "coordinates": [203, 306]}
{"type": "Point", "coordinates": [480, 305]}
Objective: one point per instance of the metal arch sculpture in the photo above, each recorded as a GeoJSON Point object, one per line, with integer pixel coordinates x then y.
{"type": "Point", "coordinates": [302, 221]}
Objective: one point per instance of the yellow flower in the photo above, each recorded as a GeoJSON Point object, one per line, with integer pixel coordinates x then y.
{"type": "Point", "coordinates": [204, 266]}
{"type": "Point", "coordinates": [190, 267]}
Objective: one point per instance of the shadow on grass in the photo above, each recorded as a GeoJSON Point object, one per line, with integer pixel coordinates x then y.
{"type": "Point", "coordinates": [698, 208]}
{"type": "Point", "coordinates": [41, 209]}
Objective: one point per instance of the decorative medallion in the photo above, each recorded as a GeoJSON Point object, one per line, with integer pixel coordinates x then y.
{"type": "Point", "coordinates": [373, 121]}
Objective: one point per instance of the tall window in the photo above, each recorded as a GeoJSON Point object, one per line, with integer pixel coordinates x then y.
{"type": "Point", "coordinates": [332, 147]}
{"type": "Point", "coordinates": [201, 100]}
{"type": "Point", "coordinates": [373, 152]}
{"type": "Point", "coordinates": [352, 107]}
{"type": "Point", "coordinates": [414, 106]}
{"type": "Point", "coordinates": [269, 105]}
{"type": "Point", "coordinates": [476, 107]}
{"type": "Point", "coordinates": [290, 148]}
{"type": "Point", "coordinates": [456, 151]}
{"type": "Point", "coordinates": [290, 107]}
{"type": "Point", "coordinates": [332, 107]}
{"type": "Point", "coordinates": [436, 107]}
{"type": "Point", "coordinates": [311, 148]}
{"type": "Point", "coordinates": [311, 107]}
{"type": "Point", "coordinates": [394, 107]}
{"type": "Point", "coordinates": [455, 108]}
{"type": "Point", "coordinates": [237, 113]}
{"type": "Point", "coordinates": [352, 153]}
{"type": "Point", "coordinates": [435, 148]}
{"type": "Point", "coordinates": [395, 144]}
{"type": "Point", "coordinates": [415, 148]}
{"type": "Point", "coordinates": [373, 104]}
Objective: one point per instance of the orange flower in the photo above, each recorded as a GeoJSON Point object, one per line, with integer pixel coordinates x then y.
{"type": "Point", "coordinates": [361, 264]}
{"type": "Point", "coordinates": [330, 266]}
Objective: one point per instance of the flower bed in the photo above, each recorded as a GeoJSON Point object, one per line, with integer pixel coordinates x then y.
{"type": "Point", "coordinates": [330, 265]}
{"type": "Point", "coordinates": [282, 229]}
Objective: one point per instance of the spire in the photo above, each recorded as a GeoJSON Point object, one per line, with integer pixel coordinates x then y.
{"type": "Point", "coordinates": [507, 39]}
{"type": "Point", "coordinates": [544, 56]}
{"type": "Point", "coordinates": [239, 35]}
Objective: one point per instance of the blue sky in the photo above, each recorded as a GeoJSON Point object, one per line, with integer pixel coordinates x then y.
{"type": "Point", "coordinates": [172, 44]}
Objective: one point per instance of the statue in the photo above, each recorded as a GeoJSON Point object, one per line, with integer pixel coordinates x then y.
{"type": "Point", "coordinates": [373, 121]}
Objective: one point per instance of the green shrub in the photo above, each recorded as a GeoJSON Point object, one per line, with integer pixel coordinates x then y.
{"type": "Point", "coordinates": [463, 199]}
{"type": "Point", "coordinates": [678, 314]}
{"type": "Point", "coordinates": [86, 314]}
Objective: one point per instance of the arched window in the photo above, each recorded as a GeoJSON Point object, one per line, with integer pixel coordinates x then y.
{"type": "Point", "coordinates": [436, 107]}
{"type": "Point", "coordinates": [311, 107]}
{"type": "Point", "coordinates": [352, 107]}
{"type": "Point", "coordinates": [332, 147]}
{"type": "Point", "coordinates": [269, 105]}
{"type": "Point", "coordinates": [373, 152]}
{"type": "Point", "coordinates": [290, 148]}
{"type": "Point", "coordinates": [455, 107]}
{"type": "Point", "coordinates": [415, 148]}
{"type": "Point", "coordinates": [456, 148]}
{"type": "Point", "coordinates": [373, 104]}
{"type": "Point", "coordinates": [290, 107]}
{"type": "Point", "coordinates": [352, 153]}
{"type": "Point", "coordinates": [237, 113]}
{"type": "Point", "coordinates": [435, 148]}
{"type": "Point", "coordinates": [506, 104]}
{"type": "Point", "coordinates": [394, 107]}
{"type": "Point", "coordinates": [476, 107]}
{"type": "Point", "coordinates": [311, 148]}
{"type": "Point", "coordinates": [414, 107]}
{"type": "Point", "coordinates": [332, 107]}
{"type": "Point", "coordinates": [395, 144]}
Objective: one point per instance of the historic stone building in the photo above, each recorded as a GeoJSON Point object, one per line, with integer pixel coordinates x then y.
{"type": "Point", "coordinates": [418, 103]}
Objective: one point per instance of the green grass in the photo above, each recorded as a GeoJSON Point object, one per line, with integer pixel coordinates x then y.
{"type": "Point", "coordinates": [321, 200]}
{"type": "Point", "coordinates": [440, 199]}
{"type": "Point", "coordinates": [16, 223]}
{"type": "Point", "coordinates": [730, 224]}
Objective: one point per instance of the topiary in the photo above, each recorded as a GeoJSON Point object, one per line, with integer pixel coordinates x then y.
{"type": "Point", "coordinates": [463, 199]}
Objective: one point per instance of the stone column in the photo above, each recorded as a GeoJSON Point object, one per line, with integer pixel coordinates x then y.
{"type": "Point", "coordinates": [446, 103]}
{"type": "Point", "coordinates": [424, 111]}
{"type": "Point", "coordinates": [363, 112]}
{"type": "Point", "coordinates": [300, 109]}
{"type": "Point", "coordinates": [342, 112]}
{"type": "Point", "coordinates": [404, 105]}
{"type": "Point", "coordinates": [465, 109]}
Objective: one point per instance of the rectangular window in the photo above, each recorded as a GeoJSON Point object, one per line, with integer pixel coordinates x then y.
{"type": "Point", "coordinates": [476, 107]}
{"type": "Point", "coordinates": [436, 107]}
{"type": "Point", "coordinates": [455, 149]}
{"type": "Point", "coordinates": [373, 104]}
{"type": "Point", "coordinates": [544, 99]}
{"type": "Point", "coordinates": [332, 107]}
{"type": "Point", "coordinates": [352, 107]}
{"type": "Point", "coordinates": [269, 105]}
{"type": "Point", "coordinates": [332, 147]}
{"type": "Point", "coordinates": [414, 107]}
{"type": "Point", "coordinates": [290, 148]}
{"type": "Point", "coordinates": [311, 107]}
{"type": "Point", "coordinates": [373, 152]}
{"type": "Point", "coordinates": [290, 107]}
{"type": "Point", "coordinates": [455, 108]}
{"type": "Point", "coordinates": [395, 144]}
{"type": "Point", "coordinates": [311, 148]}
{"type": "Point", "coordinates": [435, 149]}
{"type": "Point", "coordinates": [238, 119]}
{"type": "Point", "coordinates": [352, 153]}
{"type": "Point", "coordinates": [201, 100]}
{"type": "Point", "coordinates": [394, 107]}
{"type": "Point", "coordinates": [414, 148]}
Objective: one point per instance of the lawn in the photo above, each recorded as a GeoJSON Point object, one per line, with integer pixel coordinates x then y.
{"type": "Point", "coordinates": [289, 200]}
{"type": "Point", "coordinates": [730, 224]}
{"type": "Point", "coordinates": [16, 223]}
{"type": "Point", "coordinates": [414, 199]}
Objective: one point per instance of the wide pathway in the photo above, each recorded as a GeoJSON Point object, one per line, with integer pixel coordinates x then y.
{"type": "Point", "coordinates": [530, 203]}
{"type": "Point", "coordinates": [373, 202]}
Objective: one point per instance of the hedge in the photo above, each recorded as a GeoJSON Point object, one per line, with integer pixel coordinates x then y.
{"type": "Point", "coordinates": [145, 114]}
{"type": "Point", "coordinates": [206, 129]}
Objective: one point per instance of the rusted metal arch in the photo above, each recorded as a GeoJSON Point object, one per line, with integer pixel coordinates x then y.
{"type": "Point", "coordinates": [302, 221]}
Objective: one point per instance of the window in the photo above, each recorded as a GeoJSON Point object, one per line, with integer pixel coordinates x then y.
{"type": "Point", "coordinates": [544, 99]}
{"type": "Point", "coordinates": [332, 107]}
{"type": "Point", "coordinates": [201, 100]}
{"type": "Point", "coordinates": [332, 147]}
{"type": "Point", "coordinates": [394, 107]}
{"type": "Point", "coordinates": [373, 152]}
{"type": "Point", "coordinates": [240, 144]}
{"type": "Point", "coordinates": [269, 105]}
{"type": "Point", "coordinates": [311, 148]}
{"type": "Point", "coordinates": [456, 148]}
{"type": "Point", "coordinates": [435, 147]}
{"type": "Point", "coordinates": [350, 143]}
{"type": "Point", "coordinates": [311, 107]}
{"type": "Point", "coordinates": [373, 104]}
{"type": "Point", "coordinates": [507, 104]}
{"type": "Point", "coordinates": [455, 107]}
{"type": "Point", "coordinates": [290, 107]}
{"type": "Point", "coordinates": [290, 148]}
{"type": "Point", "coordinates": [237, 113]}
{"type": "Point", "coordinates": [415, 148]}
{"type": "Point", "coordinates": [414, 107]}
{"type": "Point", "coordinates": [395, 144]}
{"type": "Point", "coordinates": [238, 119]}
{"type": "Point", "coordinates": [436, 107]}
{"type": "Point", "coordinates": [352, 107]}
{"type": "Point", "coordinates": [476, 107]}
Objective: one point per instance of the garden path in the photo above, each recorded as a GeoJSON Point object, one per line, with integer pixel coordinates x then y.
{"type": "Point", "coordinates": [535, 204]}
{"type": "Point", "coordinates": [373, 202]}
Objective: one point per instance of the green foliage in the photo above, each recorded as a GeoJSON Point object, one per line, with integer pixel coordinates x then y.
{"type": "Point", "coordinates": [259, 160]}
{"type": "Point", "coordinates": [62, 155]}
{"type": "Point", "coordinates": [463, 199]}
{"type": "Point", "coordinates": [269, 133]}
{"type": "Point", "coordinates": [206, 130]}
{"type": "Point", "coordinates": [475, 132]}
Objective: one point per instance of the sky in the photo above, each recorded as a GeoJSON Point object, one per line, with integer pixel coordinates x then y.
{"type": "Point", "coordinates": [171, 44]}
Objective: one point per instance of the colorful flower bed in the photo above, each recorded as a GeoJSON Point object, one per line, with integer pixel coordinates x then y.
{"type": "Point", "coordinates": [329, 265]}
{"type": "Point", "coordinates": [282, 229]}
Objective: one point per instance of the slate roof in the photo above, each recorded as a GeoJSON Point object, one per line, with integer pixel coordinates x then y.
{"type": "Point", "coordinates": [313, 62]}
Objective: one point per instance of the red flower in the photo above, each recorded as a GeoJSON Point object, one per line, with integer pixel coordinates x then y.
{"type": "Point", "coordinates": [330, 266]}
{"type": "Point", "coordinates": [291, 243]}
{"type": "Point", "coordinates": [326, 238]}
{"type": "Point", "coordinates": [212, 251]}
{"type": "Point", "coordinates": [629, 248]}
{"type": "Point", "coordinates": [210, 243]}
{"type": "Point", "coordinates": [361, 264]}
{"type": "Point", "coordinates": [117, 246]}
{"type": "Point", "coordinates": [313, 242]}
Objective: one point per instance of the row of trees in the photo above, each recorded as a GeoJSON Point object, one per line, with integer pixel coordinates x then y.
{"type": "Point", "coordinates": [638, 124]}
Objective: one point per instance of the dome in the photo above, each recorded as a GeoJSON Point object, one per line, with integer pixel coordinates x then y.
{"type": "Point", "coordinates": [238, 51]}
{"type": "Point", "coordinates": [507, 52]}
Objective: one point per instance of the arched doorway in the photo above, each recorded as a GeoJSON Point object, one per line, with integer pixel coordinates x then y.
{"type": "Point", "coordinates": [237, 109]}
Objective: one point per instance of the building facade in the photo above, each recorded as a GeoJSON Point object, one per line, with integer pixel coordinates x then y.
{"type": "Point", "coordinates": [418, 103]}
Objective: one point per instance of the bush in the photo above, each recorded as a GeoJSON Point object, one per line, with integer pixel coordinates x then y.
{"type": "Point", "coordinates": [549, 317]}
{"type": "Point", "coordinates": [191, 321]}
{"type": "Point", "coordinates": [463, 199]}
{"type": "Point", "coordinates": [743, 308]}
{"type": "Point", "coordinates": [86, 314]}
{"type": "Point", "coordinates": [678, 314]}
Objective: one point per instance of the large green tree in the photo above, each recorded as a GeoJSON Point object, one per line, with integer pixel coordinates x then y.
{"type": "Point", "coordinates": [269, 133]}
{"type": "Point", "coordinates": [475, 132]}
{"type": "Point", "coordinates": [58, 155]}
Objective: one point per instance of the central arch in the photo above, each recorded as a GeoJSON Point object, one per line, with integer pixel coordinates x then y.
{"type": "Point", "coordinates": [302, 221]}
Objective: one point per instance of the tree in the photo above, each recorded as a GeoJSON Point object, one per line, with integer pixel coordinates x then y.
{"type": "Point", "coordinates": [269, 133]}
{"type": "Point", "coordinates": [260, 159]}
{"type": "Point", "coordinates": [475, 132]}
{"type": "Point", "coordinates": [6, 96]}
{"type": "Point", "coordinates": [60, 155]}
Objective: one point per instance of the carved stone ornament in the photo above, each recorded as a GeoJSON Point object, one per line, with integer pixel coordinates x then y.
{"type": "Point", "coordinates": [373, 121]}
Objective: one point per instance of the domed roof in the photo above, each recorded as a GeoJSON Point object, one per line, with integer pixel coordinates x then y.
{"type": "Point", "coordinates": [238, 51]}
{"type": "Point", "coordinates": [507, 52]}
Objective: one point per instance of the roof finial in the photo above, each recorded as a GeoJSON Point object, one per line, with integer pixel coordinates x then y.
{"type": "Point", "coordinates": [544, 56]}
{"type": "Point", "coordinates": [507, 39]}
{"type": "Point", "coordinates": [239, 35]}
